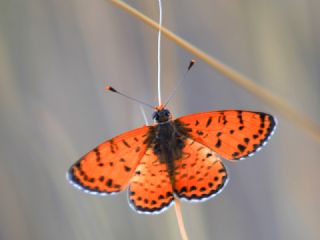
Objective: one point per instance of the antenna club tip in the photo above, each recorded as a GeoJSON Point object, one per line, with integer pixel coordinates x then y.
{"type": "Point", "coordinates": [192, 62]}
{"type": "Point", "coordinates": [109, 88]}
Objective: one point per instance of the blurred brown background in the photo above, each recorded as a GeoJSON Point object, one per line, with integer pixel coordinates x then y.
{"type": "Point", "coordinates": [56, 57]}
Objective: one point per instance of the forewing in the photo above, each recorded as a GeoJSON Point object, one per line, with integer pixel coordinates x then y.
{"type": "Point", "coordinates": [150, 190]}
{"type": "Point", "coordinates": [108, 168]}
{"type": "Point", "coordinates": [232, 134]}
{"type": "Point", "coordinates": [200, 174]}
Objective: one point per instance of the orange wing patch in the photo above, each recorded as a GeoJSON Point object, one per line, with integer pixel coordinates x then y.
{"type": "Point", "coordinates": [108, 168]}
{"type": "Point", "coordinates": [150, 190]}
{"type": "Point", "coordinates": [200, 174]}
{"type": "Point", "coordinates": [232, 134]}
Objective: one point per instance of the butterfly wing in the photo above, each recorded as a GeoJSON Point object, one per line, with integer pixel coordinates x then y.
{"type": "Point", "coordinates": [200, 174]}
{"type": "Point", "coordinates": [108, 168]}
{"type": "Point", "coordinates": [232, 134]}
{"type": "Point", "coordinates": [150, 190]}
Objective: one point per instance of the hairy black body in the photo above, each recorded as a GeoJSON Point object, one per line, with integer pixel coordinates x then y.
{"type": "Point", "coordinates": [167, 139]}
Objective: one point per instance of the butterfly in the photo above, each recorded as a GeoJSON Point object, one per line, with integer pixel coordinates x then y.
{"type": "Point", "coordinates": [174, 158]}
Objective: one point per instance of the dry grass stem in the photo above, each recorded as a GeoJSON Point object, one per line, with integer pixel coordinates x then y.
{"type": "Point", "coordinates": [177, 208]}
{"type": "Point", "coordinates": [305, 123]}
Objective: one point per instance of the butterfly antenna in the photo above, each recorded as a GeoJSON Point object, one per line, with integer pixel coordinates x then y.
{"type": "Point", "coordinates": [111, 89]}
{"type": "Point", "coordinates": [192, 62]}
{"type": "Point", "coordinates": [144, 115]}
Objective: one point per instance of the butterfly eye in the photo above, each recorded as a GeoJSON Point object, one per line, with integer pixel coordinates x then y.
{"type": "Point", "coordinates": [155, 116]}
{"type": "Point", "coordinates": [167, 113]}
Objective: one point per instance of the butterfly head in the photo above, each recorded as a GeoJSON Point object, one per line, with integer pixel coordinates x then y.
{"type": "Point", "coordinates": [161, 115]}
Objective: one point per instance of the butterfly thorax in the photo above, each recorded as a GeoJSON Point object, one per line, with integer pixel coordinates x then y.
{"type": "Point", "coordinates": [167, 139]}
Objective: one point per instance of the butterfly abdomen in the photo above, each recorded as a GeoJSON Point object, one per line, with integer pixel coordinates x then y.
{"type": "Point", "coordinates": [167, 145]}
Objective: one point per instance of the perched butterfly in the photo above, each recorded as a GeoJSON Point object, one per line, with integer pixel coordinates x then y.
{"type": "Point", "coordinates": [173, 158]}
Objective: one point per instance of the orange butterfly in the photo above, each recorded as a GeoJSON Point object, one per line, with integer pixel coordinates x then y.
{"type": "Point", "coordinates": [173, 158]}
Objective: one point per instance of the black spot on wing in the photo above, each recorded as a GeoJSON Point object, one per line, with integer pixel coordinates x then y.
{"type": "Point", "coordinates": [200, 133]}
{"type": "Point", "coordinates": [241, 147]}
{"type": "Point", "coordinates": [127, 169]}
{"type": "Point", "coordinates": [97, 152]}
{"type": "Point", "coordinates": [126, 143]}
{"type": "Point", "coordinates": [209, 122]}
{"type": "Point", "coordinates": [240, 117]}
{"type": "Point", "coordinates": [109, 182]}
{"type": "Point", "coordinates": [218, 144]}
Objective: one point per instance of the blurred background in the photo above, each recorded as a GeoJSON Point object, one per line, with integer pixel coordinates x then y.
{"type": "Point", "coordinates": [56, 57]}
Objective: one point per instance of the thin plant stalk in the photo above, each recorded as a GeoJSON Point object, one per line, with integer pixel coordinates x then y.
{"type": "Point", "coordinates": [177, 202]}
{"type": "Point", "coordinates": [177, 208]}
{"type": "Point", "coordinates": [159, 52]}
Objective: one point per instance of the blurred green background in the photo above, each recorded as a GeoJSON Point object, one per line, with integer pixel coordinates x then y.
{"type": "Point", "coordinates": [56, 57]}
